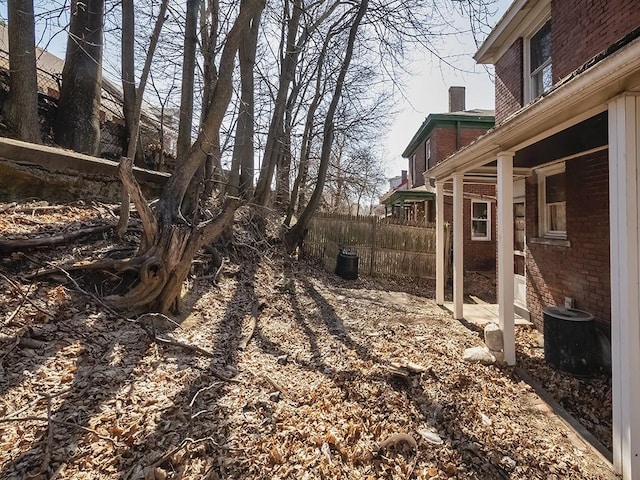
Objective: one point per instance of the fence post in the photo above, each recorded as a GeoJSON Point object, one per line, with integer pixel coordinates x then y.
{"type": "Point", "coordinates": [374, 221]}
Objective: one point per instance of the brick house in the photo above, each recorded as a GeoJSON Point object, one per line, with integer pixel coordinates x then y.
{"type": "Point", "coordinates": [440, 135]}
{"type": "Point", "coordinates": [564, 155]}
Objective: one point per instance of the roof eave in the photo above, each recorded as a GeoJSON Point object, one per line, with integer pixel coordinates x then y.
{"type": "Point", "coordinates": [431, 122]}
{"type": "Point", "coordinates": [587, 91]}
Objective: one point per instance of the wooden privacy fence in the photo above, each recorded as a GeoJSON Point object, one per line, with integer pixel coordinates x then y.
{"type": "Point", "coordinates": [383, 248]}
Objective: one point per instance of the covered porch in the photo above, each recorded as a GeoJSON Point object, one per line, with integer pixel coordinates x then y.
{"type": "Point", "coordinates": [410, 205]}
{"type": "Point", "coordinates": [595, 110]}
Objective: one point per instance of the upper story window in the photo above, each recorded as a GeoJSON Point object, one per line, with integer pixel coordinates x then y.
{"type": "Point", "coordinates": [412, 171]}
{"type": "Point", "coordinates": [540, 71]}
{"type": "Point", "coordinates": [552, 208]}
{"type": "Point", "coordinates": [480, 220]}
{"type": "Point", "coordinates": [427, 149]}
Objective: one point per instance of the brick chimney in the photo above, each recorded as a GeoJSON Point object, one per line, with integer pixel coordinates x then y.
{"type": "Point", "coordinates": [456, 99]}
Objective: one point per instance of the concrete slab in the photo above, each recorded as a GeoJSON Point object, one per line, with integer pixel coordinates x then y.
{"type": "Point", "coordinates": [482, 314]}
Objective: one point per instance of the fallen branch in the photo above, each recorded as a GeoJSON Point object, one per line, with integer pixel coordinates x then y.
{"type": "Point", "coordinates": [34, 403]}
{"type": "Point", "coordinates": [194, 348]}
{"type": "Point", "coordinates": [9, 246]}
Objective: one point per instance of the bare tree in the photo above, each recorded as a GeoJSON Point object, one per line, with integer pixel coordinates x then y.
{"type": "Point", "coordinates": [241, 175]}
{"type": "Point", "coordinates": [169, 243]}
{"type": "Point", "coordinates": [294, 236]}
{"type": "Point", "coordinates": [292, 47]}
{"type": "Point", "coordinates": [22, 105]}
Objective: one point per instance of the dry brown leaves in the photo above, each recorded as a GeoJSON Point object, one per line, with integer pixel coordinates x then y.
{"type": "Point", "coordinates": [317, 389]}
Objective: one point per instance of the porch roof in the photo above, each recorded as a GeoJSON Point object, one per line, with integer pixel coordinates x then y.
{"type": "Point", "coordinates": [417, 194]}
{"type": "Point", "coordinates": [579, 97]}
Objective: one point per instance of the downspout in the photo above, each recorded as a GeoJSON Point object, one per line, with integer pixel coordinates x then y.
{"type": "Point", "coordinates": [457, 135]}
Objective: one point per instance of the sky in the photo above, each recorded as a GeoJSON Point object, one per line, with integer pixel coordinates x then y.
{"type": "Point", "coordinates": [427, 92]}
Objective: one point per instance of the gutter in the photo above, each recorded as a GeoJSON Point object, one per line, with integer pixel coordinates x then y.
{"type": "Point", "coordinates": [574, 96]}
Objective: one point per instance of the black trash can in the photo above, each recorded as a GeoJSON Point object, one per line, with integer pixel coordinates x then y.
{"type": "Point", "coordinates": [347, 265]}
{"type": "Point", "coordinates": [570, 342]}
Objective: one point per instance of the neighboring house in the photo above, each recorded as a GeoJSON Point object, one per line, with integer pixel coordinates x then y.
{"type": "Point", "coordinates": [112, 132]}
{"type": "Point", "coordinates": [440, 135]}
{"type": "Point", "coordinates": [396, 183]}
{"type": "Point", "coordinates": [565, 156]}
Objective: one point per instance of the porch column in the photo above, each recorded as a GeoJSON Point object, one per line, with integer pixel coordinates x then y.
{"type": "Point", "coordinates": [505, 255]}
{"type": "Point", "coordinates": [624, 185]}
{"type": "Point", "coordinates": [440, 252]}
{"type": "Point", "coordinates": [458, 242]}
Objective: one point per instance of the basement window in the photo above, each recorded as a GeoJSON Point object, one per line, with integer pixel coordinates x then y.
{"type": "Point", "coordinates": [480, 220]}
{"type": "Point", "coordinates": [552, 204]}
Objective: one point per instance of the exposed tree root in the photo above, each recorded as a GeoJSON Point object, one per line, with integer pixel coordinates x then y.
{"type": "Point", "coordinates": [9, 246]}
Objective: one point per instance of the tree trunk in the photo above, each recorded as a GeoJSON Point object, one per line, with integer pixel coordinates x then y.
{"type": "Point", "coordinates": [241, 175]}
{"type": "Point", "coordinates": [77, 121]}
{"type": "Point", "coordinates": [128, 69]}
{"type": "Point", "coordinates": [164, 266]}
{"type": "Point", "coordinates": [126, 163]}
{"type": "Point", "coordinates": [208, 45]}
{"type": "Point", "coordinates": [188, 69]}
{"type": "Point", "coordinates": [169, 242]}
{"type": "Point", "coordinates": [294, 236]}
{"type": "Point", "coordinates": [22, 105]}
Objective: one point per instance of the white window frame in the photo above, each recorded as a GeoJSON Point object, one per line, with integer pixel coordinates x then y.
{"type": "Point", "coordinates": [412, 172]}
{"type": "Point", "coordinates": [487, 237]}
{"type": "Point", "coordinates": [543, 227]}
{"type": "Point", "coordinates": [528, 84]}
{"type": "Point", "coordinates": [427, 150]}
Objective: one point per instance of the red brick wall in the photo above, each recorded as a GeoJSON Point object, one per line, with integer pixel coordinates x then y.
{"type": "Point", "coordinates": [581, 271]}
{"type": "Point", "coordinates": [583, 28]}
{"type": "Point", "coordinates": [418, 167]}
{"type": "Point", "coordinates": [443, 141]}
{"type": "Point", "coordinates": [509, 82]}
{"type": "Point", "coordinates": [478, 255]}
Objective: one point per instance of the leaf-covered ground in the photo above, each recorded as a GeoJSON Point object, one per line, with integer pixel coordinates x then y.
{"type": "Point", "coordinates": [339, 380]}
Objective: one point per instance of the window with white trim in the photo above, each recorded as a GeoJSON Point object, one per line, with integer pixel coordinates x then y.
{"type": "Point", "coordinates": [539, 74]}
{"type": "Point", "coordinates": [552, 203]}
{"type": "Point", "coordinates": [480, 220]}
{"type": "Point", "coordinates": [427, 150]}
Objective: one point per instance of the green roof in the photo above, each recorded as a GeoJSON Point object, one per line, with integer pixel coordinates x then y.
{"type": "Point", "coordinates": [467, 119]}
{"type": "Point", "coordinates": [418, 194]}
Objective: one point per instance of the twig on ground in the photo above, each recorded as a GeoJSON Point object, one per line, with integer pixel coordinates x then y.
{"type": "Point", "coordinates": [66, 424]}
{"type": "Point", "coordinates": [214, 276]}
{"type": "Point", "coordinates": [34, 403]}
{"type": "Point", "coordinates": [19, 291]}
{"type": "Point", "coordinates": [183, 444]}
{"type": "Point", "coordinates": [202, 390]}
{"type": "Point", "coordinates": [80, 289]}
